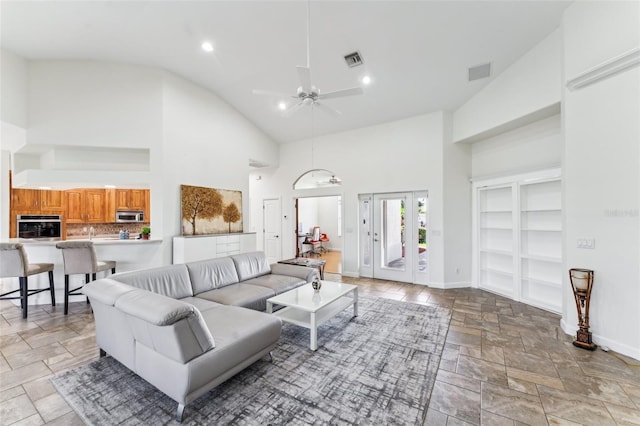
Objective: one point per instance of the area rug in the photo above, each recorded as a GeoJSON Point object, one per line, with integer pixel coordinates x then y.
{"type": "Point", "coordinates": [377, 368]}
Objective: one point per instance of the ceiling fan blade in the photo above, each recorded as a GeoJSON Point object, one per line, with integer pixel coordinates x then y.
{"type": "Point", "coordinates": [292, 109]}
{"type": "Point", "coordinates": [272, 93]}
{"type": "Point", "coordinates": [327, 109]}
{"type": "Point", "coordinates": [341, 93]}
{"type": "Point", "coordinates": [304, 75]}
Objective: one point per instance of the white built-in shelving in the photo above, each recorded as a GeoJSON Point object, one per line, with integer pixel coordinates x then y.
{"type": "Point", "coordinates": [518, 238]}
{"type": "Point", "coordinates": [541, 243]}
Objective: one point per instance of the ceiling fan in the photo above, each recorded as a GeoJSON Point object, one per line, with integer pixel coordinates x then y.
{"type": "Point", "coordinates": [307, 94]}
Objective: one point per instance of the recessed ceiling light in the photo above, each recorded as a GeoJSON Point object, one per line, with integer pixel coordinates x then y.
{"type": "Point", "coordinates": [207, 46]}
{"type": "Point", "coordinates": [282, 106]}
{"type": "Point", "coordinates": [366, 80]}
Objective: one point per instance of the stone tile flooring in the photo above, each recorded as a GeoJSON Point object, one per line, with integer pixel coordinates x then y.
{"type": "Point", "coordinates": [505, 363]}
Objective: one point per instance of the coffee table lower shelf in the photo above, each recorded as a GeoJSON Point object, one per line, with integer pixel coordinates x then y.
{"type": "Point", "coordinates": [303, 318]}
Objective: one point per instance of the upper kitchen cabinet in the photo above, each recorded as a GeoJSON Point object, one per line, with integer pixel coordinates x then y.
{"type": "Point", "coordinates": [37, 201]}
{"type": "Point", "coordinates": [131, 199]}
{"type": "Point", "coordinates": [87, 206]}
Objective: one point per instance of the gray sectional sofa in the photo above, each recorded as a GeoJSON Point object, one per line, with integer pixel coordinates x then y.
{"type": "Point", "coordinates": [187, 328]}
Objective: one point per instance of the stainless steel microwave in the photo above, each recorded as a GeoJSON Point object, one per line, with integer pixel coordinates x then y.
{"type": "Point", "coordinates": [129, 216]}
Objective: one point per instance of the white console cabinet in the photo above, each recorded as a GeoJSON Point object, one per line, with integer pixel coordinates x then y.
{"type": "Point", "coordinates": [518, 238]}
{"type": "Point", "coordinates": [189, 249]}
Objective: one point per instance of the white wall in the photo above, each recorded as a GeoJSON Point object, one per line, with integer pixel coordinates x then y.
{"type": "Point", "coordinates": [403, 155]}
{"type": "Point", "coordinates": [13, 86]}
{"type": "Point", "coordinates": [528, 88]}
{"type": "Point", "coordinates": [205, 142]}
{"type": "Point", "coordinates": [308, 214]}
{"type": "Point", "coordinates": [457, 210]}
{"type": "Point", "coordinates": [535, 146]}
{"type": "Point", "coordinates": [601, 171]}
{"type": "Point", "coordinates": [328, 220]}
{"type": "Point", "coordinates": [96, 104]}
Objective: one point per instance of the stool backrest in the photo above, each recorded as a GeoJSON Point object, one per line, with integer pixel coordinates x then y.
{"type": "Point", "coordinates": [13, 260]}
{"type": "Point", "coordinates": [79, 257]}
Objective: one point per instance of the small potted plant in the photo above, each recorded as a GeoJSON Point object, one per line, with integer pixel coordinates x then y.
{"type": "Point", "coordinates": [146, 231]}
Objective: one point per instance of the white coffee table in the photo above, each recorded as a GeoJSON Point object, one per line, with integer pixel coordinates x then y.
{"type": "Point", "coordinates": [307, 308]}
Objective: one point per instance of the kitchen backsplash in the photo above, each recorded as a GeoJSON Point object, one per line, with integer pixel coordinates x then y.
{"type": "Point", "coordinates": [82, 229]}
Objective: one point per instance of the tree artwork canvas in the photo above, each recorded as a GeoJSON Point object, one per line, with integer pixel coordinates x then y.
{"type": "Point", "coordinates": [210, 211]}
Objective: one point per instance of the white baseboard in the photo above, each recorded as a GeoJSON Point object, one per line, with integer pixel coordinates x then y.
{"type": "Point", "coordinates": [449, 285]}
{"type": "Point", "coordinates": [603, 341]}
{"type": "Point", "coordinates": [350, 274]}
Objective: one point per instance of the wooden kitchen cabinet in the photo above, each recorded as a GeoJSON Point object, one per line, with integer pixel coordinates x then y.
{"type": "Point", "coordinates": [25, 199]}
{"type": "Point", "coordinates": [130, 199]}
{"type": "Point", "coordinates": [86, 206]}
{"type": "Point", "coordinates": [37, 201]}
{"type": "Point", "coordinates": [52, 201]}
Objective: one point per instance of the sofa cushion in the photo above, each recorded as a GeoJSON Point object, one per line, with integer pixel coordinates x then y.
{"type": "Point", "coordinates": [202, 304]}
{"type": "Point", "coordinates": [278, 283]}
{"type": "Point", "coordinates": [212, 273]}
{"type": "Point", "coordinates": [251, 265]}
{"type": "Point", "coordinates": [244, 295]}
{"type": "Point", "coordinates": [172, 281]}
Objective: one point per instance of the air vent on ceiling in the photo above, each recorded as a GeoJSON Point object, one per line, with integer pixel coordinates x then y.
{"type": "Point", "coordinates": [353, 59]}
{"type": "Point", "coordinates": [481, 71]}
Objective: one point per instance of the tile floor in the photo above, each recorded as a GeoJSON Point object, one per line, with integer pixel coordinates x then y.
{"type": "Point", "coordinates": [504, 363]}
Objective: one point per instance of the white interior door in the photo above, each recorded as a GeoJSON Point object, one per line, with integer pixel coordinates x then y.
{"type": "Point", "coordinates": [272, 229]}
{"type": "Point", "coordinates": [392, 235]}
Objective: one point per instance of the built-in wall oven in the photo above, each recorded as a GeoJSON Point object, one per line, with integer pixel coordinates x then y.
{"type": "Point", "coordinates": [38, 226]}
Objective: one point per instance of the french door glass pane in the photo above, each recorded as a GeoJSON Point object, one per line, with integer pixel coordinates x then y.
{"type": "Point", "coordinates": [421, 204]}
{"type": "Point", "coordinates": [392, 237]}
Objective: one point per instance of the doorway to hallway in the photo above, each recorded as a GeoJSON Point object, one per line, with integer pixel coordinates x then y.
{"type": "Point", "coordinates": [393, 236]}
{"type": "Point", "coordinates": [319, 230]}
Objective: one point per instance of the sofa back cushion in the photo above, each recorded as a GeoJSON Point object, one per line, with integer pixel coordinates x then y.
{"type": "Point", "coordinates": [172, 281]}
{"type": "Point", "coordinates": [211, 274]}
{"type": "Point", "coordinates": [251, 265]}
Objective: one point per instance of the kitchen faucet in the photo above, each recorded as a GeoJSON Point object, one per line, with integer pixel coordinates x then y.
{"type": "Point", "coordinates": [92, 232]}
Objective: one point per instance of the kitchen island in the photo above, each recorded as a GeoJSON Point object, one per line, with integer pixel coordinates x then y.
{"type": "Point", "coordinates": [131, 254]}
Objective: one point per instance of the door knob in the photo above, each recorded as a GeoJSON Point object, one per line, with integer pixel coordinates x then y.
{"type": "Point", "coordinates": [376, 240]}
{"type": "Point", "coordinates": [276, 236]}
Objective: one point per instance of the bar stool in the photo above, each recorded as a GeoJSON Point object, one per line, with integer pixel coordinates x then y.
{"type": "Point", "coordinates": [80, 258]}
{"type": "Point", "coordinates": [14, 263]}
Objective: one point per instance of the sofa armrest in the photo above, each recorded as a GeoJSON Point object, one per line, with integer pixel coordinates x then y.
{"type": "Point", "coordinates": [302, 272]}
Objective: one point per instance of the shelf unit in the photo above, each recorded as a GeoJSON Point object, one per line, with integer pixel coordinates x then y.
{"type": "Point", "coordinates": [518, 238]}
{"type": "Point", "coordinates": [495, 238]}
{"type": "Point", "coordinates": [541, 244]}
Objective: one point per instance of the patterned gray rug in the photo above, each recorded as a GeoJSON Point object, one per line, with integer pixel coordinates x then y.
{"type": "Point", "coordinates": [378, 368]}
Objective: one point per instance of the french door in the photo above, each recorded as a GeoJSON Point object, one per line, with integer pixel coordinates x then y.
{"type": "Point", "coordinates": [393, 237]}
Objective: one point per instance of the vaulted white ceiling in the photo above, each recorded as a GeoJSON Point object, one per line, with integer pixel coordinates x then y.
{"type": "Point", "coordinates": [416, 52]}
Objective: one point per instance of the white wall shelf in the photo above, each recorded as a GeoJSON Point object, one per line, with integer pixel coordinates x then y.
{"type": "Point", "coordinates": [518, 238]}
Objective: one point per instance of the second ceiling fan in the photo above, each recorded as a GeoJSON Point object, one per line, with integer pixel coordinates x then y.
{"type": "Point", "coordinates": [307, 94]}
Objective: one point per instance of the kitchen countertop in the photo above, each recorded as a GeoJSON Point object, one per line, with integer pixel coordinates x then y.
{"type": "Point", "coordinates": [97, 240]}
